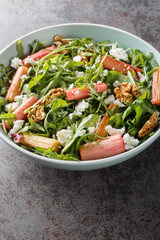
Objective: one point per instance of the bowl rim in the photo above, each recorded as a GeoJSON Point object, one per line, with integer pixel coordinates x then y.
{"type": "Point", "coordinates": [90, 163]}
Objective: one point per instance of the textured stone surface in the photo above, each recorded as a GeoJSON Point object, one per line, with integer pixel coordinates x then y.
{"type": "Point", "coordinates": [41, 203]}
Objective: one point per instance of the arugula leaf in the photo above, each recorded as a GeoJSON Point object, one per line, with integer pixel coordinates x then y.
{"type": "Point", "coordinates": [50, 154]}
{"type": "Point", "coordinates": [116, 119]}
{"type": "Point", "coordinates": [6, 73]}
{"type": "Point", "coordinates": [20, 51]}
{"type": "Point", "coordinates": [113, 76]}
{"type": "Point", "coordinates": [86, 122]}
{"type": "Point", "coordinates": [57, 103]}
{"type": "Point", "coordinates": [36, 126]}
{"type": "Point", "coordinates": [36, 46]}
{"type": "Point", "coordinates": [8, 116]}
{"type": "Point", "coordinates": [3, 102]}
{"type": "Point", "coordinates": [35, 80]}
{"type": "Point", "coordinates": [99, 97]}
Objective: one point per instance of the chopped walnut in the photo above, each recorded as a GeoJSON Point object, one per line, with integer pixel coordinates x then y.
{"type": "Point", "coordinates": [84, 58]}
{"type": "Point", "coordinates": [55, 92]}
{"type": "Point", "coordinates": [126, 92]}
{"type": "Point", "coordinates": [37, 114]}
{"type": "Point", "coordinates": [149, 126]}
{"type": "Point", "coordinates": [59, 41]}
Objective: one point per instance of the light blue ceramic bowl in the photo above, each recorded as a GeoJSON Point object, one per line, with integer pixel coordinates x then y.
{"type": "Point", "coordinates": [98, 33]}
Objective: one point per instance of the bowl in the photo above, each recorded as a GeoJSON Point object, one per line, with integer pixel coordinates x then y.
{"type": "Point", "coordinates": [98, 33]}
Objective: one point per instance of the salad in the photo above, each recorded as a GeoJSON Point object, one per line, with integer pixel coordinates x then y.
{"type": "Point", "coordinates": [79, 99]}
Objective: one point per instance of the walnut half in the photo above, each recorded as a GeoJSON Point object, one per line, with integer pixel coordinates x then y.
{"type": "Point", "coordinates": [37, 114]}
{"type": "Point", "coordinates": [149, 126]}
{"type": "Point", "coordinates": [84, 58]}
{"type": "Point", "coordinates": [59, 41]}
{"type": "Point", "coordinates": [55, 92]}
{"type": "Point", "coordinates": [126, 92]}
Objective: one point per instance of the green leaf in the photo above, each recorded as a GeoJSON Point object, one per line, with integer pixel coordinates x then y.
{"type": "Point", "coordinates": [36, 46]}
{"type": "Point", "coordinates": [3, 102]}
{"type": "Point", "coordinates": [154, 63]}
{"type": "Point", "coordinates": [8, 116]}
{"type": "Point", "coordinates": [36, 126]}
{"type": "Point", "coordinates": [35, 80]}
{"type": "Point", "coordinates": [20, 51]}
{"type": "Point", "coordinates": [50, 154]}
{"type": "Point", "coordinates": [113, 76]}
{"type": "Point", "coordinates": [86, 122]}
{"type": "Point", "coordinates": [116, 119]}
{"type": "Point", "coordinates": [57, 103]}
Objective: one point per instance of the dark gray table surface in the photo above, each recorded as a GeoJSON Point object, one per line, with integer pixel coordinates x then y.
{"type": "Point", "coordinates": [41, 203]}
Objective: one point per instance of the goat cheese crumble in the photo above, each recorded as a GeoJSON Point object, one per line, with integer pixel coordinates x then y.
{"type": "Point", "coordinates": [20, 99]}
{"type": "Point", "coordinates": [91, 129]}
{"type": "Point", "coordinates": [77, 58]}
{"type": "Point", "coordinates": [79, 74]}
{"type": "Point", "coordinates": [16, 62]}
{"type": "Point", "coordinates": [130, 142]}
{"type": "Point", "coordinates": [116, 84]}
{"type": "Point", "coordinates": [14, 105]}
{"type": "Point", "coordinates": [25, 88]}
{"type": "Point", "coordinates": [109, 99]}
{"type": "Point", "coordinates": [142, 77]}
{"type": "Point", "coordinates": [17, 125]}
{"type": "Point", "coordinates": [118, 103]}
{"type": "Point", "coordinates": [64, 135]}
{"type": "Point", "coordinates": [81, 107]}
{"type": "Point", "coordinates": [112, 131]}
{"type": "Point", "coordinates": [29, 60]}
{"type": "Point", "coordinates": [118, 53]}
{"type": "Point", "coordinates": [24, 77]}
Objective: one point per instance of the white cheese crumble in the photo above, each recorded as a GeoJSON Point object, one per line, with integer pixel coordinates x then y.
{"type": "Point", "coordinates": [130, 142]}
{"type": "Point", "coordinates": [17, 125]}
{"type": "Point", "coordinates": [116, 84]}
{"type": "Point", "coordinates": [74, 113]}
{"type": "Point", "coordinates": [77, 58]}
{"type": "Point", "coordinates": [113, 131]}
{"type": "Point", "coordinates": [109, 90]}
{"type": "Point", "coordinates": [24, 77]}
{"type": "Point", "coordinates": [109, 99]}
{"type": "Point", "coordinates": [142, 77]}
{"type": "Point", "coordinates": [93, 66]}
{"type": "Point", "coordinates": [79, 74]}
{"type": "Point", "coordinates": [71, 86]}
{"type": "Point", "coordinates": [29, 70]}
{"type": "Point", "coordinates": [20, 99]}
{"type": "Point", "coordinates": [105, 72]}
{"type": "Point", "coordinates": [29, 60]}
{"type": "Point", "coordinates": [118, 103]}
{"type": "Point", "coordinates": [53, 67]}
{"type": "Point", "coordinates": [16, 62]}
{"type": "Point", "coordinates": [89, 45]}
{"type": "Point", "coordinates": [14, 105]}
{"type": "Point", "coordinates": [99, 82]}
{"type": "Point", "coordinates": [91, 129]}
{"type": "Point", "coordinates": [82, 106]}
{"type": "Point", "coordinates": [64, 135]}
{"type": "Point", "coordinates": [25, 88]}
{"type": "Point", "coordinates": [118, 53]}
